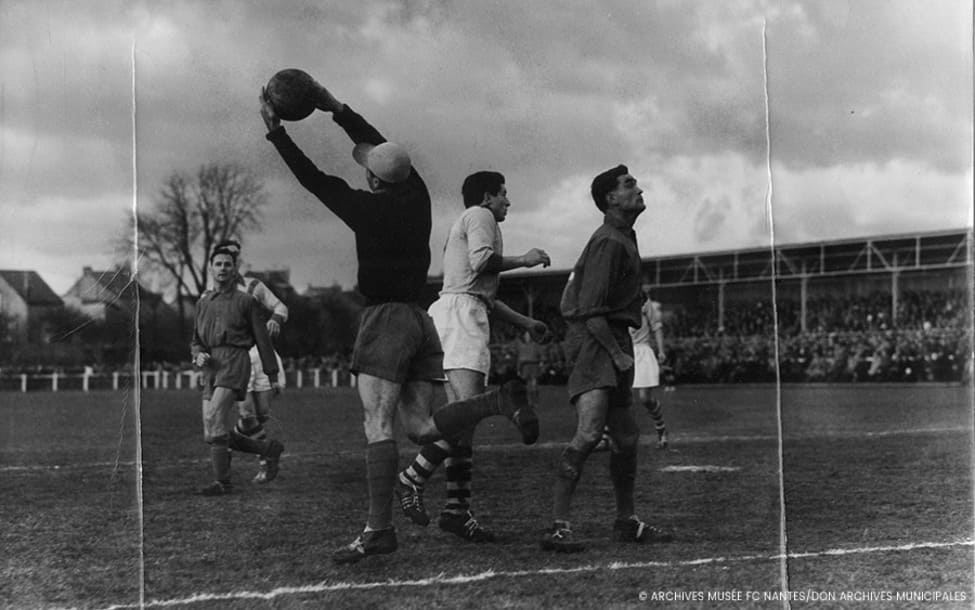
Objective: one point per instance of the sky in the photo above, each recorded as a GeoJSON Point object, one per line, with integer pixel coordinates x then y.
{"type": "Point", "coordinates": [746, 123]}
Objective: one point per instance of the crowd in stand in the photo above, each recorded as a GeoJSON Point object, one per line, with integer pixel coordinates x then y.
{"type": "Point", "coordinates": [847, 339]}
{"type": "Point", "coordinates": [911, 355]}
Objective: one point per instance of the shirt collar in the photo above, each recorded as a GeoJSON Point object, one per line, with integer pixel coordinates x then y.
{"type": "Point", "coordinates": [618, 224]}
{"type": "Point", "coordinates": [230, 289]}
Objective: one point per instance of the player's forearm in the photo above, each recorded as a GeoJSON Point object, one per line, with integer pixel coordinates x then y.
{"type": "Point", "coordinates": [598, 327]}
{"type": "Point", "coordinates": [502, 312]}
{"type": "Point", "coordinates": [356, 127]}
{"type": "Point", "coordinates": [300, 165]}
{"type": "Point", "coordinates": [497, 263]}
{"type": "Point", "coordinates": [281, 375]}
{"type": "Point", "coordinates": [196, 345]}
{"type": "Point", "coordinates": [264, 348]}
{"type": "Point", "coordinates": [273, 303]}
{"type": "Point", "coordinates": [334, 192]}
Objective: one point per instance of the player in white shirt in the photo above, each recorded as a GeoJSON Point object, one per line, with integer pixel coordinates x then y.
{"type": "Point", "coordinates": [648, 354]}
{"type": "Point", "coordinates": [473, 260]}
{"type": "Point", "coordinates": [646, 363]}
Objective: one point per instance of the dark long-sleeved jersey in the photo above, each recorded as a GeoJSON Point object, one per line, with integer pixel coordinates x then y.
{"type": "Point", "coordinates": [231, 318]}
{"type": "Point", "coordinates": [605, 281]}
{"type": "Point", "coordinates": [392, 227]}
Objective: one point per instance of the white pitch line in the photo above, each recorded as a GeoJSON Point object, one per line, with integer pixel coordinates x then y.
{"type": "Point", "coordinates": [443, 579]}
{"type": "Point", "coordinates": [700, 468]}
{"type": "Point", "coordinates": [409, 450]}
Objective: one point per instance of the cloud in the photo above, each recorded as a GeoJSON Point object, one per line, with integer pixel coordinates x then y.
{"type": "Point", "coordinates": [561, 225]}
{"type": "Point", "coordinates": [875, 82]}
{"type": "Point", "coordinates": [870, 109]}
{"type": "Point", "coordinates": [868, 199]}
{"type": "Point", "coordinates": [38, 165]}
{"type": "Point", "coordinates": [60, 235]}
{"type": "Point", "coordinates": [66, 69]}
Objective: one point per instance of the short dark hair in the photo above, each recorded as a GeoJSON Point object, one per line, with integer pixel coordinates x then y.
{"type": "Point", "coordinates": [606, 182]}
{"type": "Point", "coordinates": [223, 249]}
{"type": "Point", "coordinates": [479, 183]}
{"type": "Point", "coordinates": [228, 243]}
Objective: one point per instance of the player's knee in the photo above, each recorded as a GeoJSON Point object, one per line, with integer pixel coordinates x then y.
{"type": "Point", "coordinates": [570, 464]}
{"type": "Point", "coordinates": [222, 440]}
{"type": "Point", "coordinates": [378, 428]}
{"type": "Point", "coordinates": [588, 437]}
{"type": "Point", "coordinates": [627, 441]}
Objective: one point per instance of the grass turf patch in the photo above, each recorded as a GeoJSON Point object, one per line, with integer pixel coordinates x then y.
{"type": "Point", "coordinates": [864, 467]}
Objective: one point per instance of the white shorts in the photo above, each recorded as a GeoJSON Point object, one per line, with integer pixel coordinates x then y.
{"type": "Point", "coordinates": [462, 323]}
{"type": "Point", "coordinates": [259, 382]}
{"type": "Point", "coordinates": [646, 371]}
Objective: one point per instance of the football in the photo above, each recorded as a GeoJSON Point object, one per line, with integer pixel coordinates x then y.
{"type": "Point", "coordinates": [291, 93]}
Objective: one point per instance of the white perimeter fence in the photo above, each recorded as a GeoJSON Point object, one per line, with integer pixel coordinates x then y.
{"type": "Point", "coordinates": [153, 380]}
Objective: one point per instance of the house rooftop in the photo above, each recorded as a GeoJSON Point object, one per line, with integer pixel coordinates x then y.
{"type": "Point", "coordinates": [31, 287]}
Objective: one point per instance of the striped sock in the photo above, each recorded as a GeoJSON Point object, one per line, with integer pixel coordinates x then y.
{"type": "Point", "coordinates": [458, 473]}
{"type": "Point", "coordinates": [425, 463]}
{"type": "Point", "coordinates": [656, 411]}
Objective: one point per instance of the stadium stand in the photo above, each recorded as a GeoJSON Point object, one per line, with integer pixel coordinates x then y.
{"type": "Point", "coordinates": [892, 308]}
{"type": "Point", "coordinates": [885, 309]}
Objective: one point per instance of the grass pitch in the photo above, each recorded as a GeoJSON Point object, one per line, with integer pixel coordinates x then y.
{"type": "Point", "coordinates": [875, 484]}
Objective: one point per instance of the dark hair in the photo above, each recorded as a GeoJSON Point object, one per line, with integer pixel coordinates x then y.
{"type": "Point", "coordinates": [228, 243]}
{"type": "Point", "coordinates": [606, 182]}
{"type": "Point", "coordinates": [223, 249]}
{"type": "Point", "coordinates": [479, 183]}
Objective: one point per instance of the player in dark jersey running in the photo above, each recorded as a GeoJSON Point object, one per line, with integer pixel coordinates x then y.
{"type": "Point", "coordinates": [228, 322]}
{"type": "Point", "coordinates": [255, 410]}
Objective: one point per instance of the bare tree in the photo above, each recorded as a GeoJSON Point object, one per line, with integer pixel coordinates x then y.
{"type": "Point", "coordinates": [191, 215]}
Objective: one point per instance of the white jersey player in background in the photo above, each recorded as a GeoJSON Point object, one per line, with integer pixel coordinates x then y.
{"type": "Point", "coordinates": [646, 363]}
{"type": "Point", "coordinates": [648, 354]}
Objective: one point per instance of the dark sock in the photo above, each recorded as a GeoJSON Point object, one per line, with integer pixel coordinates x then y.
{"type": "Point", "coordinates": [381, 464]}
{"type": "Point", "coordinates": [220, 460]}
{"type": "Point", "coordinates": [622, 471]}
{"type": "Point", "coordinates": [570, 466]}
{"type": "Point", "coordinates": [255, 431]}
{"type": "Point", "coordinates": [239, 442]}
{"type": "Point", "coordinates": [564, 488]}
{"type": "Point", "coordinates": [456, 418]}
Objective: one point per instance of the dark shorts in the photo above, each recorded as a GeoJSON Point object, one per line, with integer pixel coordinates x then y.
{"type": "Point", "coordinates": [398, 342]}
{"type": "Point", "coordinates": [229, 367]}
{"type": "Point", "coordinates": [529, 370]}
{"type": "Point", "coordinates": [593, 368]}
